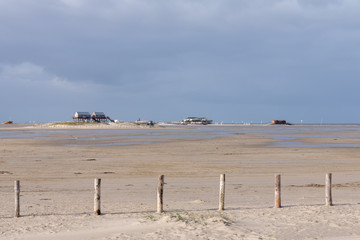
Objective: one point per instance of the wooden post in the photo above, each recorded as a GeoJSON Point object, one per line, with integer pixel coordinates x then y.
{"type": "Point", "coordinates": [17, 198]}
{"type": "Point", "coordinates": [97, 196]}
{"type": "Point", "coordinates": [277, 191]}
{"type": "Point", "coordinates": [222, 193]}
{"type": "Point", "coordinates": [160, 192]}
{"type": "Point", "coordinates": [328, 195]}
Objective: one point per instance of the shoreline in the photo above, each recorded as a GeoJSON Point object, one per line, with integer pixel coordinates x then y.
{"type": "Point", "coordinates": [134, 125]}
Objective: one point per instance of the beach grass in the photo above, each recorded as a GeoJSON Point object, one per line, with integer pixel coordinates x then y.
{"type": "Point", "coordinates": [76, 123]}
{"type": "Point", "coordinates": [191, 217]}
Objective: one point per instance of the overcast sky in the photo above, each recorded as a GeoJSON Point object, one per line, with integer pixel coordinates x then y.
{"type": "Point", "coordinates": [164, 60]}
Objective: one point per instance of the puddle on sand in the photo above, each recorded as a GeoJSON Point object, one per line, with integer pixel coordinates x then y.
{"type": "Point", "coordinates": [310, 145]}
{"type": "Point", "coordinates": [107, 144]}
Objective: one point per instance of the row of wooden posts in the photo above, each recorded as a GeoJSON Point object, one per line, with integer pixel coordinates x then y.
{"type": "Point", "coordinates": [160, 193]}
{"type": "Point", "coordinates": [328, 194]}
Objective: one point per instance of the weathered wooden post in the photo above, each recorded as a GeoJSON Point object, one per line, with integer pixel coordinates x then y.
{"type": "Point", "coordinates": [17, 198]}
{"type": "Point", "coordinates": [222, 193]}
{"type": "Point", "coordinates": [328, 195]}
{"type": "Point", "coordinates": [160, 192]}
{"type": "Point", "coordinates": [277, 191]}
{"type": "Point", "coordinates": [97, 196]}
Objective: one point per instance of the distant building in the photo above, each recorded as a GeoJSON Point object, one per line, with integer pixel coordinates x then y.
{"type": "Point", "coordinates": [87, 117]}
{"type": "Point", "coordinates": [283, 122]}
{"type": "Point", "coordinates": [82, 117]}
{"type": "Point", "coordinates": [196, 120]}
{"type": "Point", "coordinates": [99, 117]}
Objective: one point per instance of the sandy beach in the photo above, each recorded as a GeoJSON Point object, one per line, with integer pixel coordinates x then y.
{"type": "Point", "coordinates": [57, 166]}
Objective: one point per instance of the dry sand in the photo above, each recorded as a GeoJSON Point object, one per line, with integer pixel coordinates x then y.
{"type": "Point", "coordinates": [57, 188]}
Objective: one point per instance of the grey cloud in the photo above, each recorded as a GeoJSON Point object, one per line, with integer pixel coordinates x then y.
{"type": "Point", "coordinates": [187, 54]}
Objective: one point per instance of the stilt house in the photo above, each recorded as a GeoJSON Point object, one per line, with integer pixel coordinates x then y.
{"type": "Point", "coordinates": [99, 117]}
{"type": "Point", "coordinates": [82, 117]}
{"type": "Point", "coordinates": [196, 120]}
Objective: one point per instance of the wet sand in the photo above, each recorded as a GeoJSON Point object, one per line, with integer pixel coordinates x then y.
{"type": "Point", "coordinates": [57, 187]}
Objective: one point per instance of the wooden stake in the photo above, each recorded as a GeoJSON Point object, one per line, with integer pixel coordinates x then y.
{"type": "Point", "coordinates": [97, 196]}
{"type": "Point", "coordinates": [277, 191]}
{"type": "Point", "coordinates": [17, 198]}
{"type": "Point", "coordinates": [222, 193]}
{"type": "Point", "coordinates": [160, 192]}
{"type": "Point", "coordinates": [328, 195]}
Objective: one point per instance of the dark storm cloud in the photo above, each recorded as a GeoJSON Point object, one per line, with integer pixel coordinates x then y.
{"type": "Point", "coordinates": [286, 58]}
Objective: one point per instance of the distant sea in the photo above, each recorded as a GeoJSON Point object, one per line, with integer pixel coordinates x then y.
{"type": "Point", "coordinates": [286, 135]}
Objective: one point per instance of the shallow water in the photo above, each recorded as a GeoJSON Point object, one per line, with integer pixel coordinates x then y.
{"type": "Point", "coordinates": [311, 145]}
{"type": "Point", "coordinates": [287, 136]}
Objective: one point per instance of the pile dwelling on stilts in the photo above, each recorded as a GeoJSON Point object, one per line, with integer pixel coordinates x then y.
{"type": "Point", "coordinates": [95, 117]}
{"type": "Point", "coordinates": [196, 120]}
